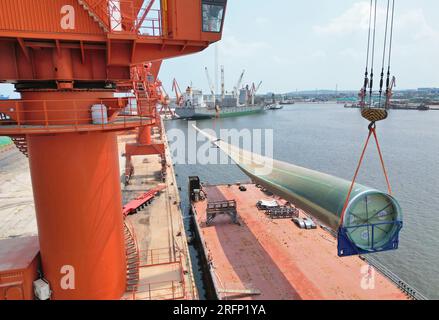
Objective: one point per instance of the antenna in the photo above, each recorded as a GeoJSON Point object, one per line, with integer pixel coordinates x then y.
{"type": "Point", "coordinates": [216, 69]}
{"type": "Point", "coordinates": [223, 86]}
{"type": "Point", "coordinates": [211, 86]}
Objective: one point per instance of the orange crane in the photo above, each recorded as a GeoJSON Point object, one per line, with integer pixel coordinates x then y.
{"type": "Point", "coordinates": [165, 103]}
{"type": "Point", "coordinates": [148, 94]}
{"type": "Point", "coordinates": [66, 58]}
{"type": "Point", "coordinates": [179, 98]}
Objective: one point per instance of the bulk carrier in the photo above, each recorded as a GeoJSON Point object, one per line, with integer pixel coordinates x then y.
{"type": "Point", "coordinates": [203, 111]}
{"type": "Point", "coordinates": [242, 101]}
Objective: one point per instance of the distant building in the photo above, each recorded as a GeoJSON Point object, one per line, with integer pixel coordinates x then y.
{"type": "Point", "coordinates": [347, 99]}
{"type": "Point", "coordinates": [428, 90]}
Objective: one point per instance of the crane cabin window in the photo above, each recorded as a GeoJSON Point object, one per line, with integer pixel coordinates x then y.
{"type": "Point", "coordinates": [213, 15]}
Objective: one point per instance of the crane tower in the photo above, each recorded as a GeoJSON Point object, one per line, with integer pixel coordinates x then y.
{"type": "Point", "coordinates": [67, 58]}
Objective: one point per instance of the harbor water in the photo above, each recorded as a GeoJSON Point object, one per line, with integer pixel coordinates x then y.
{"type": "Point", "coordinates": [329, 138]}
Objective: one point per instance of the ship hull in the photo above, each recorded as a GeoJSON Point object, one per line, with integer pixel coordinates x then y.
{"type": "Point", "coordinates": [207, 113]}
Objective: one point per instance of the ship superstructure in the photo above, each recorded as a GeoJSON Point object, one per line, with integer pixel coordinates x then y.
{"type": "Point", "coordinates": [67, 59]}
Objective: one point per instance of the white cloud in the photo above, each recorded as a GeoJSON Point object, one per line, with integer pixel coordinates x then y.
{"type": "Point", "coordinates": [233, 47]}
{"type": "Point", "coordinates": [353, 19]}
{"type": "Point", "coordinates": [412, 23]}
{"type": "Point", "coordinates": [415, 25]}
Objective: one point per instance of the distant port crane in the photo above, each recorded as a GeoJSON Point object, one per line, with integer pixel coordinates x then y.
{"type": "Point", "coordinates": [238, 85]}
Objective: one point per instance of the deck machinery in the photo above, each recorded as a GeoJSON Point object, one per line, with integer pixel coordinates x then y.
{"type": "Point", "coordinates": [65, 56]}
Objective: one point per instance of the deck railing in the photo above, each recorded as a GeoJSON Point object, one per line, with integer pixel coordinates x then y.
{"type": "Point", "coordinates": [155, 257]}
{"type": "Point", "coordinates": [127, 16]}
{"type": "Point", "coordinates": [71, 115]}
{"type": "Point", "coordinates": [166, 290]}
{"type": "Point", "coordinates": [152, 24]}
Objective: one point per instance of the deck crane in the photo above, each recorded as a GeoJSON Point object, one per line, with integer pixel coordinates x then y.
{"type": "Point", "coordinates": [253, 91]}
{"type": "Point", "coordinates": [223, 86]}
{"type": "Point", "coordinates": [211, 86]}
{"type": "Point", "coordinates": [165, 102]}
{"type": "Point", "coordinates": [178, 95]}
{"type": "Point", "coordinates": [238, 85]}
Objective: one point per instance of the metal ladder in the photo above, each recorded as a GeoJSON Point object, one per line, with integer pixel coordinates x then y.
{"type": "Point", "coordinates": [132, 260]}
{"type": "Point", "coordinates": [21, 144]}
{"type": "Point", "coordinates": [91, 9]}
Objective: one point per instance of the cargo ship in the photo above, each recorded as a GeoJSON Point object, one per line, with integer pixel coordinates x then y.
{"type": "Point", "coordinates": [241, 102]}
{"type": "Point", "coordinates": [219, 112]}
{"type": "Point", "coordinates": [195, 106]}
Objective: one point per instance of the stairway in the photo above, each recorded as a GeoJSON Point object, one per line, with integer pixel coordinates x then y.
{"type": "Point", "coordinates": [140, 90]}
{"type": "Point", "coordinates": [143, 98]}
{"type": "Point", "coordinates": [21, 144]}
{"type": "Point", "coordinates": [98, 14]}
{"type": "Point", "coordinates": [132, 256]}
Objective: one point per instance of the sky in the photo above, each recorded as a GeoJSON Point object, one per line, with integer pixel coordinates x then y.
{"type": "Point", "coordinates": [306, 45]}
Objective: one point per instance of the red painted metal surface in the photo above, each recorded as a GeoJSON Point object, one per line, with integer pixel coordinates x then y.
{"type": "Point", "coordinates": [134, 205]}
{"type": "Point", "coordinates": [148, 94]}
{"type": "Point", "coordinates": [22, 16]}
{"type": "Point", "coordinates": [33, 38]}
{"type": "Point", "coordinates": [63, 56]}
{"type": "Point", "coordinates": [33, 116]}
{"type": "Point", "coordinates": [76, 186]}
{"type": "Point", "coordinates": [19, 261]}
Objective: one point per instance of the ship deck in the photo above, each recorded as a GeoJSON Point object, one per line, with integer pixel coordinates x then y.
{"type": "Point", "coordinates": [166, 269]}
{"type": "Point", "coordinates": [274, 259]}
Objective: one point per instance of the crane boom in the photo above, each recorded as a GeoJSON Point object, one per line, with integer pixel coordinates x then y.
{"type": "Point", "coordinates": [178, 94]}
{"type": "Point", "coordinates": [211, 86]}
{"type": "Point", "coordinates": [253, 92]}
{"type": "Point", "coordinates": [238, 84]}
